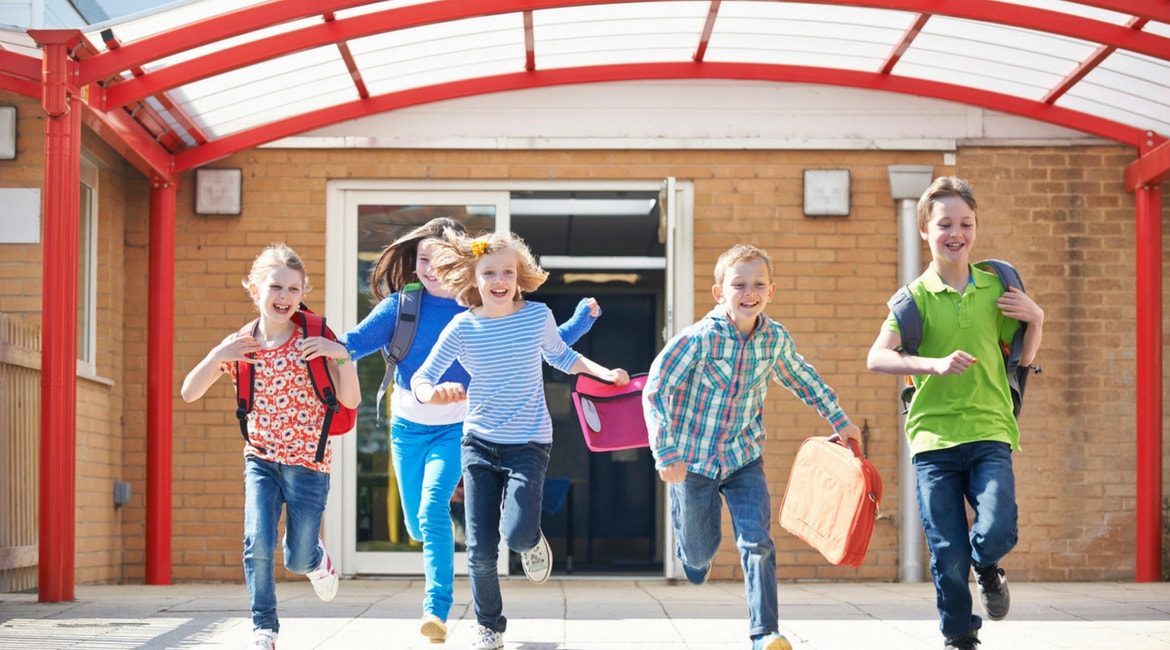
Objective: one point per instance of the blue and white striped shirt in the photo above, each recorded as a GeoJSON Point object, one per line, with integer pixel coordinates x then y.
{"type": "Point", "coordinates": [505, 398]}
{"type": "Point", "coordinates": [704, 396]}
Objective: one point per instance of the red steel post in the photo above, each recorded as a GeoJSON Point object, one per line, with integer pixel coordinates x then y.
{"type": "Point", "coordinates": [159, 381]}
{"type": "Point", "coordinates": [1149, 383]}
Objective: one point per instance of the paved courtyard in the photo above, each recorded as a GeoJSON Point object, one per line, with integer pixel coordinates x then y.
{"type": "Point", "coordinates": [587, 614]}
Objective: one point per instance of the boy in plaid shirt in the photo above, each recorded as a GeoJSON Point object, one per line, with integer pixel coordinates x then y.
{"type": "Point", "coordinates": [704, 404]}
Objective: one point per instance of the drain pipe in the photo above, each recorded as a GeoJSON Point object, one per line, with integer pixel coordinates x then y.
{"type": "Point", "coordinates": [907, 183]}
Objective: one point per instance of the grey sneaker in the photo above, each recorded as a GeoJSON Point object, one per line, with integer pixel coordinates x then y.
{"type": "Point", "coordinates": [965, 641]}
{"type": "Point", "coordinates": [487, 639]}
{"type": "Point", "coordinates": [537, 561]}
{"type": "Point", "coordinates": [993, 591]}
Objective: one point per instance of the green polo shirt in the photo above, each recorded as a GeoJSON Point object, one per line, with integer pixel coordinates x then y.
{"type": "Point", "coordinates": [976, 405]}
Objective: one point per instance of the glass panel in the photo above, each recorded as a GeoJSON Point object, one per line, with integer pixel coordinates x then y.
{"type": "Point", "coordinates": [380, 524]}
{"type": "Point", "coordinates": [634, 33]}
{"type": "Point", "coordinates": [84, 278]}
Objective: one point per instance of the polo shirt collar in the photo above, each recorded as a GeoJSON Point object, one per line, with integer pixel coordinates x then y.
{"type": "Point", "coordinates": [932, 282]}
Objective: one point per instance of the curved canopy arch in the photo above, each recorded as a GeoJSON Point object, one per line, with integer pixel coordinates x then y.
{"type": "Point", "coordinates": [205, 81]}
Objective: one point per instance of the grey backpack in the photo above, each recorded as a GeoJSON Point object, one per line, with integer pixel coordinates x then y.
{"type": "Point", "coordinates": [409, 300]}
{"type": "Point", "coordinates": [909, 319]}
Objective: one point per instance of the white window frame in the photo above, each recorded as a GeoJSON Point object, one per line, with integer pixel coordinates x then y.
{"type": "Point", "coordinates": [87, 247]}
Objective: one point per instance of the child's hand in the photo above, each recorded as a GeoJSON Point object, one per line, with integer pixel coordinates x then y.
{"type": "Point", "coordinates": [1018, 305]}
{"type": "Point", "coordinates": [851, 432]}
{"type": "Point", "coordinates": [956, 363]}
{"type": "Point", "coordinates": [594, 308]}
{"type": "Point", "coordinates": [319, 346]}
{"type": "Point", "coordinates": [676, 473]}
{"type": "Point", "coordinates": [617, 377]}
{"type": "Point", "coordinates": [235, 348]}
{"type": "Point", "coordinates": [448, 392]}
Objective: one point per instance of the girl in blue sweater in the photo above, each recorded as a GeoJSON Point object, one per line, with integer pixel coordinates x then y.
{"type": "Point", "coordinates": [507, 435]}
{"type": "Point", "coordinates": [425, 438]}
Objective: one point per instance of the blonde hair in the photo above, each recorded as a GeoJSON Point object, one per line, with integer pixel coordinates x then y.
{"type": "Point", "coordinates": [275, 256]}
{"type": "Point", "coordinates": [942, 187]}
{"type": "Point", "coordinates": [741, 253]}
{"type": "Point", "coordinates": [455, 256]}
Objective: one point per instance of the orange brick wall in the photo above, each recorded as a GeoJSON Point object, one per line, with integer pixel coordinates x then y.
{"type": "Point", "coordinates": [100, 400]}
{"type": "Point", "coordinates": [1061, 214]}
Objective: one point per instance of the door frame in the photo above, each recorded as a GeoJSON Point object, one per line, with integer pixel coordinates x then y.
{"type": "Point", "coordinates": [341, 308]}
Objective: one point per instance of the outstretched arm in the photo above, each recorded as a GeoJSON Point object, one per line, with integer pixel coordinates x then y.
{"type": "Point", "coordinates": [885, 358]}
{"type": "Point", "coordinates": [582, 321]}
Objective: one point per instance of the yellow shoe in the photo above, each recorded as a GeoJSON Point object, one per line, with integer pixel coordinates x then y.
{"type": "Point", "coordinates": [433, 628]}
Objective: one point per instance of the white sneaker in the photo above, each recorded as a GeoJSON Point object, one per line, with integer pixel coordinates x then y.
{"type": "Point", "coordinates": [324, 579]}
{"type": "Point", "coordinates": [487, 639]}
{"type": "Point", "coordinates": [265, 639]}
{"type": "Point", "coordinates": [433, 628]}
{"type": "Point", "coordinates": [537, 562]}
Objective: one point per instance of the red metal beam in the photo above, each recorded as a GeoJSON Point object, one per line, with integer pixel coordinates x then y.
{"type": "Point", "coordinates": [529, 43]}
{"type": "Point", "coordinates": [708, 27]}
{"type": "Point", "coordinates": [160, 381]}
{"type": "Point", "coordinates": [1152, 9]}
{"type": "Point", "coordinates": [58, 452]}
{"type": "Point", "coordinates": [20, 65]}
{"type": "Point", "coordinates": [904, 42]}
{"type": "Point", "coordinates": [1148, 233]}
{"type": "Point", "coordinates": [1088, 65]}
{"type": "Point", "coordinates": [350, 64]}
{"type": "Point", "coordinates": [130, 140]}
{"type": "Point", "coordinates": [632, 72]}
{"type": "Point", "coordinates": [20, 86]}
{"type": "Point", "coordinates": [220, 61]}
{"type": "Point", "coordinates": [185, 122]}
{"type": "Point", "coordinates": [1152, 168]}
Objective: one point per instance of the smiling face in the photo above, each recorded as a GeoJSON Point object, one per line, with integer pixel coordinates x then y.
{"type": "Point", "coordinates": [950, 231]}
{"type": "Point", "coordinates": [744, 292]}
{"type": "Point", "coordinates": [279, 294]}
{"type": "Point", "coordinates": [426, 274]}
{"type": "Point", "coordinates": [495, 277]}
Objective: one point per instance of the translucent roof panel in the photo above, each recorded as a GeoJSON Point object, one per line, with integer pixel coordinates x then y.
{"type": "Point", "coordinates": [268, 91]}
{"type": "Point", "coordinates": [815, 35]}
{"type": "Point", "coordinates": [617, 34]}
{"type": "Point", "coordinates": [432, 54]}
{"type": "Point", "coordinates": [16, 40]}
{"type": "Point", "coordinates": [1128, 88]}
{"type": "Point", "coordinates": [1000, 59]}
{"type": "Point", "coordinates": [167, 18]}
{"type": "Point", "coordinates": [1074, 8]}
{"type": "Point", "coordinates": [375, 7]}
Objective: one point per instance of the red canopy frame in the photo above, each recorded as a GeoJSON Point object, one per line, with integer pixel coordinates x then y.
{"type": "Point", "coordinates": [76, 83]}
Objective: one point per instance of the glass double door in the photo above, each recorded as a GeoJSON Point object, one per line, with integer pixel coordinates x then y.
{"type": "Point", "coordinates": [374, 525]}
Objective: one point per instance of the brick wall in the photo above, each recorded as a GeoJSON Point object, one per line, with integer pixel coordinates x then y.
{"type": "Point", "coordinates": [100, 398]}
{"type": "Point", "coordinates": [1061, 214]}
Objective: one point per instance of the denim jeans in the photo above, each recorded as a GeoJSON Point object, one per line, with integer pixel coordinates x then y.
{"type": "Point", "coordinates": [426, 462]}
{"type": "Point", "coordinates": [695, 509]}
{"type": "Point", "coordinates": [268, 486]}
{"type": "Point", "coordinates": [503, 486]}
{"type": "Point", "coordinates": [979, 473]}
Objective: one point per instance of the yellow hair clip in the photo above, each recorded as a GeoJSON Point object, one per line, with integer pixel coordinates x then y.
{"type": "Point", "coordinates": [479, 247]}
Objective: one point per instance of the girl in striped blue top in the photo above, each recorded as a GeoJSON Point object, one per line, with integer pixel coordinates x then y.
{"type": "Point", "coordinates": [507, 434]}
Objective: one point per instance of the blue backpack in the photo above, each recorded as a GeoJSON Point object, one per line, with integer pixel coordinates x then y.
{"type": "Point", "coordinates": [909, 319]}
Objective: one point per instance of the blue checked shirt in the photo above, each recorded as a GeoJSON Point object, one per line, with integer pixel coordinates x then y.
{"type": "Point", "coordinates": [704, 396]}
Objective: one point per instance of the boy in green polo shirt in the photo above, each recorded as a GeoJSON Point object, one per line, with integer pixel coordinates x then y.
{"type": "Point", "coordinates": [960, 425]}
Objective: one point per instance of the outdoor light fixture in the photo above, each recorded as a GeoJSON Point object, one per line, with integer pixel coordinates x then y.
{"type": "Point", "coordinates": [217, 191]}
{"type": "Point", "coordinates": [7, 132]}
{"type": "Point", "coordinates": [826, 192]}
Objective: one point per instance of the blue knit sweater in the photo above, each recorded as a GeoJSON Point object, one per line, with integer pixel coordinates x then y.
{"type": "Point", "coordinates": [376, 330]}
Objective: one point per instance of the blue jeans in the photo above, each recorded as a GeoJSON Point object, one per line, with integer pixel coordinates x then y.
{"type": "Point", "coordinates": [979, 473]}
{"type": "Point", "coordinates": [499, 482]}
{"type": "Point", "coordinates": [268, 486]}
{"type": "Point", "coordinates": [695, 509]}
{"type": "Point", "coordinates": [426, 462]}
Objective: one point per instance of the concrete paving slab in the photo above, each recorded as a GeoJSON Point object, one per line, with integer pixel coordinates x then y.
{"type": "Point", "coordinates": [586, 614]}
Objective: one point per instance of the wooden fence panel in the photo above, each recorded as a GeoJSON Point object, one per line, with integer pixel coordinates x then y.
{"type": "Point", "coordinates": [20, 413]}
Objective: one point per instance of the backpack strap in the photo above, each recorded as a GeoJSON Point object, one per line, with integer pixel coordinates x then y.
{"type": "Point", "coordinates": [314, 325]}
{"type": "Point", "coordinates": [405, 326]}
{"type": "Point", "coordinates": [909, 319]}
{"type": "Point", "coordinates": [1010, 277]}
{"type": "Point", "coordinates": [245, 384]}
